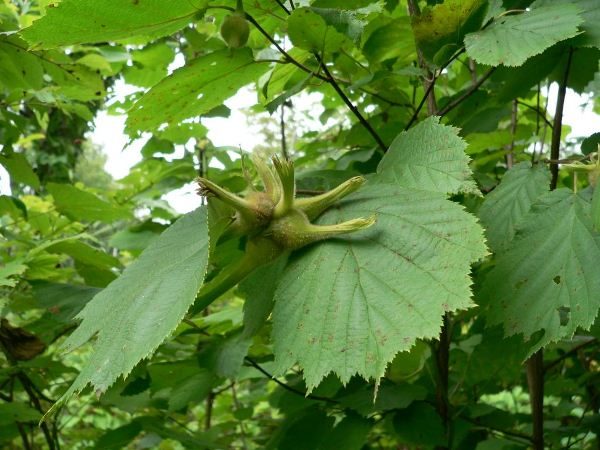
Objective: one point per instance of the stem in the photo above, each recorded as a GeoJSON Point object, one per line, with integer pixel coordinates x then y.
{"type": "Point", "coordinates": [515, 434]}
{"type": "Point", "coordinates": [351, 106]}
{"type": "Point", "coordinates": [279, 48]}
{"type": "Point", "coordinates": [328, 77]}
{"type": "Point", "coordinates": [473, 69]}
{"type": "Point", "coordinates": [209, 408]}
{"type": "Point", "coordinates": [568, 354]}
{"type": "Point", "coordinates": [513, 129]}
{"type": "Point", "coordinates": [457, 101]}
{"type": "Point", "coordinates": [442, 349]}
{"type": "Point", "coordinates": [535, 380]}
{"type": "Point", "coordinates": [258, 253]}
{"type": "Point", "coordinates": [535, 364]}
{"type": "Point", "coordinates": [225, 280]}
{"type": "Point", "coordinates": [280, 3]}
{"type": "Point", "coordinates": [241, 422]}
{"type": "Point", "coordinates": [442, 359]}
{"type": "Point", "coordinates": [429, 81]}
{"type": "Point", "coordinates": [33, 398]}
{"type": "Point", "coordinates": [538, 111]}
{"type": "Point", "coordinates": [285, 386]}
{"type": "Point", "coordinates": [557, 126]}
{"type": "Point", "coordinates": [430, 88]}
{"type": "Point", "coordinates": [24, 438]}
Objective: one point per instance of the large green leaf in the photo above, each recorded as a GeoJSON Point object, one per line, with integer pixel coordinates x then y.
{"type": "Point", "coordinates": [348, 306]}
{"type": "Point", "coordinates": [506, 205]}
{"type": "Point", "coordinates": [134, 314]}
{"type": "Point", "coordinates": [512, 39]}
{"type": "Point", "coordinates": [430, 157]}
{"type": "Point", "coordinates": [548, 278]}
{"type": "Point", "coordinates": [87, 21]}
{"type": "Point", "coordinates": [195, 89]}
{"type": "Point", "coordinates": [82, 205]}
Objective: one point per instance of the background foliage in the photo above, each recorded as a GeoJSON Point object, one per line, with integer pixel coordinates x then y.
{"type": "Point", "coordinates": [464, 319]}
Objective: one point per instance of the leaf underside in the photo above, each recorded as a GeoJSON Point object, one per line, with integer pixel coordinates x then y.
{"type": "Point", "coordinates": [506, 205]}
{"type": "Point", "coordinates": [548, 278]}
{"type": "Point", "coordinates": [348, 306]}
{"type": "Point", "coordinates": [134, 314]}
{"type": "Point", "coordinates": [428, 157]}
{"type": "Point", "coordinates": [195, 89]}
{"type": "Point", "coordinates": [73, 22]}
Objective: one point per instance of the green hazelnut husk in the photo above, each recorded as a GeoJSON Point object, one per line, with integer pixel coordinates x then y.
{"type": "Point", "coordinates": [235, 30]}
{"type": "Point", "coordinates": [277, 215]}
{"type": "Point", "coordinates": [273, 222]}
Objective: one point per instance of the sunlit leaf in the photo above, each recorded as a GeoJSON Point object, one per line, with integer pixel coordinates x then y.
{"type": "Point", "coordinates": [512, 39]}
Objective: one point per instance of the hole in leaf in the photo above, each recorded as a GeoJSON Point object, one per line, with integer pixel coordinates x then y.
{"type": "Point", "coordinates": [556, 279]}
{"type": "Point", "coordinates": [564, 314]}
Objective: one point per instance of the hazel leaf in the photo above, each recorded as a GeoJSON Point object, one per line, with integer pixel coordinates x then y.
{"type": "Point", "coordinates": [348, 305]}
{"type": "Point", "coordinates": [134, 314]}
{"type": "Point", "coordinates": [548, 278]}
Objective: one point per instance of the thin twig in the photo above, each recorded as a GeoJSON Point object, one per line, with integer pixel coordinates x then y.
{"type": "Point", "coordinates": [279, 48]}
{"type": "Point", "coordinates": [287, 387]}
{"type": "Point", "coordinates": [568, 354]}
{"type": "Point", "coordinates": [430, 88]}
{"type": "Point", "coordinates": [33, 398]}
{"type": "Point", "coordinates": [537, 110]}
{"type": "Point", "coordinates": [280, 3]}
{"type": "Point", "coordinates": [557, 125]}
{"type": "Point", "coordinates": [513, 129]}
{"type": "Point", "coordinates": [24, 438]}
{"type": "Point", "coordinates": [516, 434]}
{"type": "Point", "coordinates": [237, 407]}
{"type": "Point", "coordinates": [458, 100]}
{"type": "Point", "coordinates": [351, 106]}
